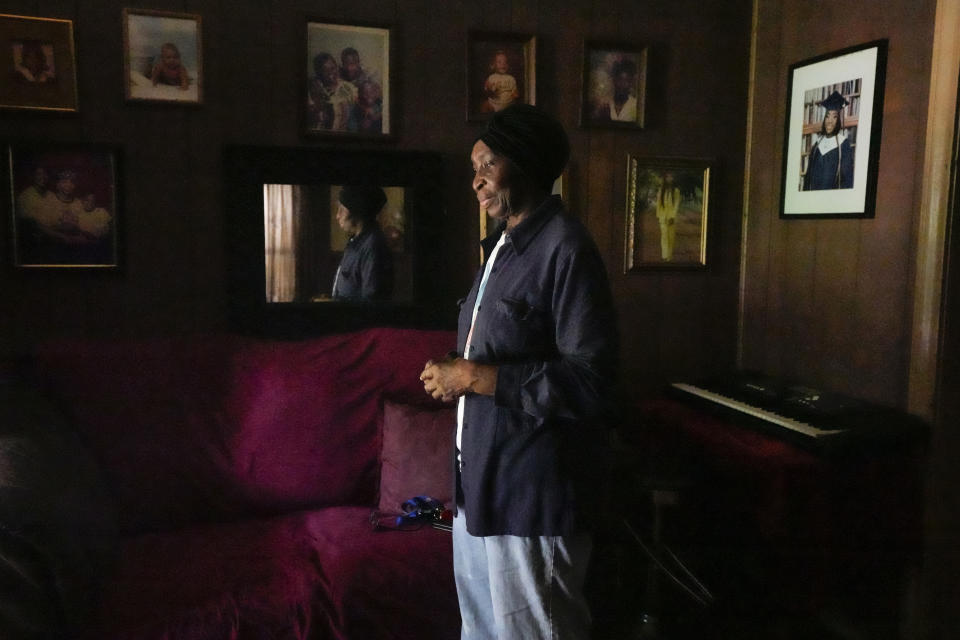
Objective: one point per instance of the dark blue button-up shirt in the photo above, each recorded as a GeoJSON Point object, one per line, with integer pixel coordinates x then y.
{"type": "Point", "coordinates": [531, 454]}
{"type": "Point", "coordinates": [366, 269]}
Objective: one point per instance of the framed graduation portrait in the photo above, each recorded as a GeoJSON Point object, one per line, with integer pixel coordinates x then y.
{"type": "Point", "coordinates": [832, 134]}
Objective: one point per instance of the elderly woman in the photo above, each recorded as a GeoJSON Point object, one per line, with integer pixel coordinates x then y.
{"type": "Point", "coordinates": [536, 363]}
{"type": "Point", "coordinates": [366, 269]}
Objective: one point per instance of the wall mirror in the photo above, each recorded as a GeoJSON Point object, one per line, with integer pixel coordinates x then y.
{"type": "Point", "coordinates": [286, 245]}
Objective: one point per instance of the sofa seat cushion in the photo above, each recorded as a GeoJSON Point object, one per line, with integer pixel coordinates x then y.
{"type": "Point", "coordinates": [252, 579]}
{"type": "Point", "coordinates": [310, 574]}
{"type": "Point", "coordinates": [389, 585]}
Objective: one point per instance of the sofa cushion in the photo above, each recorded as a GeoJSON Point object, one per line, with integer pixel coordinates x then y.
{"type": "Point", "coordinates": [211, 428]}
{"type": "Point", "coordinates": [311, 574]}
{"type": "Point", "coordinates": [389, 585]}
{"type": "Point", "coordinates": [417, 454]}
{"type": "Point", "coordinates": [252, 579]}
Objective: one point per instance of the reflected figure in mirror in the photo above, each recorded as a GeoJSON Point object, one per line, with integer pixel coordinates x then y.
{"type": "Point", "coordinates": [366, 269]}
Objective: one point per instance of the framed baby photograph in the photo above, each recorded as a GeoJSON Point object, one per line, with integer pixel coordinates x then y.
{"type": "Point", "coordinates": [64, 209]}
{"type": "Point", "coordinates": [667, 212]}
{"type": "Point", "coordinates": [614, 85]}
{"type": "Point", "coordinates": [162, 57]}
{"type": "Point", "coordinates": [40, 64]}
{"type": "Point", "coordinates": [832, 134]}
{"type": "Point", "coordinates": [501, 70]}
{"type": "Point", "coordinates": [347, 80]}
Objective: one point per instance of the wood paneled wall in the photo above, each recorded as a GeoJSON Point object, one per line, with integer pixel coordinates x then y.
{"type": "Point", "coordinates": [674, 324]}
{"type": "Point", "coordinates": [829, 302]}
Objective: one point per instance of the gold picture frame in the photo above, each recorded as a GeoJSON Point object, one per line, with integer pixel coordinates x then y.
{"type": "Point", "coordinates": [43, 60]}
{"type": "Point", "coordinates": [667, 213]}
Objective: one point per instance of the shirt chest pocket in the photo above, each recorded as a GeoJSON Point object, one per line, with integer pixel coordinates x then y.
{"type": "Point", "coordinates": [521, 326]}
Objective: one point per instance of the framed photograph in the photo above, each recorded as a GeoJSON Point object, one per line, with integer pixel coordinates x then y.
{"type": "Point", "coordinates": [39, 62]}
{"type": "Point", "coordinates": [64, 206]}
{"type": "Point", "coordinates": [162, 57]}
{"type": "Point", "coordinates": [667, 213]}
{"type": "Point", "coordinates": [348, 80]}
{"type": "Point", "coordinates": [614, 85]}
{"type": "Point", "coordinates": [832, 134]}
{"type": "Point", "coordinates": [501, 70]}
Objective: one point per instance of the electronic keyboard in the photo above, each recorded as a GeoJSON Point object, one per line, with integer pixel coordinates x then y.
{"type": "Point", "coordinates": [808, 417]}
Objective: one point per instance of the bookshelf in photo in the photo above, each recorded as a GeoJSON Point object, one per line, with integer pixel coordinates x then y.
{"type": "Point", "coordinates": [814, 111]}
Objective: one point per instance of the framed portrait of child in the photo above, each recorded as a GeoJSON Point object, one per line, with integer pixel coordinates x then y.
{"type": "Point", "coordinates": [501, 70]}
{"type": "Point", "coordinates": [39, 61]}
{"type": "Point", "coordinates": [162, 57]}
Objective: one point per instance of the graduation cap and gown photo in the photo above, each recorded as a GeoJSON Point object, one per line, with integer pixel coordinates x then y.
{"type": "Point", "coordinates": [831, 159]}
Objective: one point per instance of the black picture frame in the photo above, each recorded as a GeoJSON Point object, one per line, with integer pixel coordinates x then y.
{"type": "Point", "coordinates": [498, 63]}
{"type": "Point", "coordinates": [65, 209]}
{"type": "Point", "coordinates": [816, 183]}
{"type": "Point", "coordinates": [603, 64]}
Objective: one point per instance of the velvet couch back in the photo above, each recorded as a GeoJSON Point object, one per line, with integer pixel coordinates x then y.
{"type": "Point", "coordinates": [221, 427]}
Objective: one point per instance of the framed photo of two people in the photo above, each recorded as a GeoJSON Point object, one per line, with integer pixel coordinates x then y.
{"type": "Point", "coordinates": [832, 137]}
{"type": "Point", "coordinates": [347, 80]}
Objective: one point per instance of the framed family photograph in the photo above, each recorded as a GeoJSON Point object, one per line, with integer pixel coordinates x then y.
{"type": "Point", "coordinates": [667, 212]}
{"type": "Point", "coordinates": [501, 70]}
{"type": "Point", "coordinates": [348, 78]}
{"type": "Point", "coordinates": [64, 206]}
{"type": "Point", "coordinates": [832, 134]}
{"type": "Point", "coordinates": [40, 64]}
{"type": "Point", "coordinates": [162, 57]}
{"type": "Point", "coordinates": [614, 85]}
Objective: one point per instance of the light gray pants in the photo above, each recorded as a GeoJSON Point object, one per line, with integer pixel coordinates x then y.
{"type": "Point", "coordinates": [517, 588]}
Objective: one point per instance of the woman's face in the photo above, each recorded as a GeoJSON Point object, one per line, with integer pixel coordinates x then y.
{"type": "Point", "coordinates": [830, 121]}
{"type": "Point", "coordinates": [493, 181]}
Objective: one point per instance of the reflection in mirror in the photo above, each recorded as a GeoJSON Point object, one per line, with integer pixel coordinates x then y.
{"type": "Point", "coordinates": [284, 242]}
{"type": "Point", "coordinates": [312, 253]}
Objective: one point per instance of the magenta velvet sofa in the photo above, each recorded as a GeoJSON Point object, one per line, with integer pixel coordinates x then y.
{"type": "Point", "coordinates": [245, 472]}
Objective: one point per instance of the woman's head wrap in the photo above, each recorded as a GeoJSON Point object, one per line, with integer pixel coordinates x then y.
{"type": "Point", "coordinates": [534, 142]}
{"type": "Point", "coordinates": [363, 201]}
